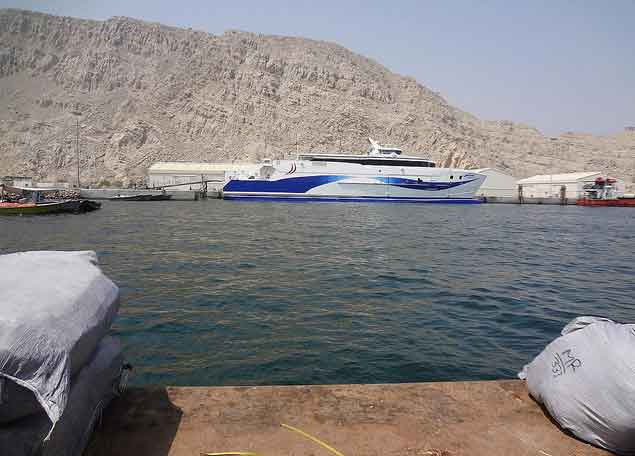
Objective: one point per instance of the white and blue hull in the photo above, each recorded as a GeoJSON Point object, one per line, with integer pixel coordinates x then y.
{"type": "Point", "coordinates": [435, 185]}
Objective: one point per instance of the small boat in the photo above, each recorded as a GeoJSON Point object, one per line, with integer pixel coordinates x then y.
{"type": "Point", "coordinates": [30, 208]}
{"type": "Point", "coordinates": [144, 197]}
{"type": "Point", "coordinates": [35, 204]}
{"type": "Point", "coordinates": [603, 193]}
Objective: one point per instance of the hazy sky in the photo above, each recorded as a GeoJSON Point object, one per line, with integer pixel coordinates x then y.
{"type": "Point", "coordinates": [555, 65]}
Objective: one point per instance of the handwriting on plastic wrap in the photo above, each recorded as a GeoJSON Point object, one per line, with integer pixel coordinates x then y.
{"type": "Point", "coordinates": [564, 362]}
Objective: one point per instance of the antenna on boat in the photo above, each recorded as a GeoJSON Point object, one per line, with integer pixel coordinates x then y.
{"type": "Point", "coordinates": [374, 146]}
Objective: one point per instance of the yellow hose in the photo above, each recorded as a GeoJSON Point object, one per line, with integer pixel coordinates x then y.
{"type": "Point", "coordinates": [310, 437]}
{"type": "Point", "coordinates": [286, 426]}
{"type": "Point", "coordinates": [230, 453]}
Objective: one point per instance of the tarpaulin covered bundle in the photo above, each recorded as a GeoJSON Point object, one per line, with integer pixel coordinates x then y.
{"type": "Point", "coordinates": [56, 307]}
{"type": "Point", "coordinates": [91, 390]}
{"type": "Point", "coordinates": [586, 380]}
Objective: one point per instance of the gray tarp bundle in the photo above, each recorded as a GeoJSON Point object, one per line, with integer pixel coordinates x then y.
{"type": "Point", "coordinates": [91, 390]}
{"type": "Point", "coordinates": [586, 380]}
{"type": "Point", "coordinates": [55, 309]}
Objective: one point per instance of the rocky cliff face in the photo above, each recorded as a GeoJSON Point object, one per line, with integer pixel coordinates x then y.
{"type": "Point", "coordinates": [147, 92]}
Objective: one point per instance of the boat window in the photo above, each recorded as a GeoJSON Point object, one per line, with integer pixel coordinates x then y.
{"type": "Point", "coordinates": [451, 177]}
{"type": "Point", "coordinates": [389, 151]}
{"type": "Point", "coordinates": [376, 161]}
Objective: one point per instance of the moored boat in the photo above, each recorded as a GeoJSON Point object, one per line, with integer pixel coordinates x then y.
{"type": "Point", "coordinates": [10, 208]}
{"type": "Point", "coordinates": [144, 197]}
{"type": "Point", "coordinates": [603, 193]}
{"type": "Point", "coordinates": [617, 202]}
{"type": "Point", "coordinates": [382, 175]}
{"type": "Point", "coordinates": [30, 201]}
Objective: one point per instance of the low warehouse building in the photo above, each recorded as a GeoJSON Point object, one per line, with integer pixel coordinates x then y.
{"type": "Point", "coordinates": [190, 175]}
{"type": "Point", "coordinates": [18, 181]}
{"type": "Point", "coordinates": [569, 185]}
{"type": "Point", "coordinates": [497, 184]}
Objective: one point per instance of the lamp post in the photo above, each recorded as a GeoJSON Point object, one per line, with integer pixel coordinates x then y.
{"type": "Point", "coordinates": [78, 114]}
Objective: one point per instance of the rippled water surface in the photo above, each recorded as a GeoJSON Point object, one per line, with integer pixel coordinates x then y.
{"type": "Point", "coordinates": [221, 292]}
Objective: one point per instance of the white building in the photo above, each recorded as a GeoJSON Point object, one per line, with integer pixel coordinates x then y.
{"type": "Point", "coordinates": [18, 181]}
{"type": "Point", "coordinates": [551, 185]}
{"type": "Point", "coordinates": [190, 174]}
{"type": "Point", "coordinates": [497, 184]}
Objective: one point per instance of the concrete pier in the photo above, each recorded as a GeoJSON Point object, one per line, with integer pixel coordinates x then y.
{"type": "Point", "coordinates": [107, 193]}
{"type": "Point", "coordinates": [420, 419]}
{"type": "Point", "coordinates": [515, 200]}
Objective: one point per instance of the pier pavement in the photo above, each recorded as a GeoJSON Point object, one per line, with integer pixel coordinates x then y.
{"type": "Point", "coordinates": [419, 419]}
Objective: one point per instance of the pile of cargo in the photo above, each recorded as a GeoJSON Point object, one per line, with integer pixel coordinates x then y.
{"type": "Point", "coordinates": [58, 366]}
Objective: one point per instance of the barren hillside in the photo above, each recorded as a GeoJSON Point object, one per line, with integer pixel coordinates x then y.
{"type": "Point", "coordinates": [148, 92]}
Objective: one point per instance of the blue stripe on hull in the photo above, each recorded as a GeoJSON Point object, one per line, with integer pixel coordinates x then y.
{"type": "Point", "coordinates": [420, 185]}
{"type": "Point", "coordinates": [302, 184]}
{"type": "Point", "coordinates": [356, 199]}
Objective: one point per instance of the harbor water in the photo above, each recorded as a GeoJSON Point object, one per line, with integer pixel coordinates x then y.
{"type": "Point", "coordinates": [229, 293]}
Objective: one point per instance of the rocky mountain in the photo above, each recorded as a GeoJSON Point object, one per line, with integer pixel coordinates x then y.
{"type": "Point", "coordinates": [144, 92]}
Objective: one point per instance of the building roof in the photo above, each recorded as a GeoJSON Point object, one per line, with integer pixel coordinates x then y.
{"type": "Point", "coordinates": [566, 177]}
{"type": "Point", "coordinates": [485, 170]}
{"type": "Point", "coordinates": [197, 167]}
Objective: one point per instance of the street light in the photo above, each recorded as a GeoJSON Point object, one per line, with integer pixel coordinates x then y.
{"type": "Point", "coordinates": [78, 114]}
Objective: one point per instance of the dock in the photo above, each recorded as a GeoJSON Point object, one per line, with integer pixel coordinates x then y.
{"type": "Point", "coordinates": [418, 419]}
{"type": "Point", "coordinates": [107, 193]}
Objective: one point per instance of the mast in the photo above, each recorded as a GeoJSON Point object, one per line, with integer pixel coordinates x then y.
{"type": "Point", "coordinates": [78, 183]}
{"type": "Point", "coordinates": [78, 114]}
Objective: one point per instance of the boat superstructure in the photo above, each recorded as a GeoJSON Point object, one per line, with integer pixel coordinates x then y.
{"type": "Point", "coordinates": [383, 174]}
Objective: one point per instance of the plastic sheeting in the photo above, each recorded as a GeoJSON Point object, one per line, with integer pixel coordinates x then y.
{"type": "Point", "coordinates": [56, 307]}
{"type": "Point", "coordinates": [92, 389]}
{"type": "Point", "coordinates": [586, 380]}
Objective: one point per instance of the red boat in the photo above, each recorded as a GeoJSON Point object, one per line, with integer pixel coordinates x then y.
{"type": "Point", "coordinates": [618, 202]}
{"type": "Point", "coordinates": [602, 193]}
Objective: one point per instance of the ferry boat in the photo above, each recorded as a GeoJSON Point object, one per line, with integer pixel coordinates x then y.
{"type": "Point", "coordinates": [383, 174]}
